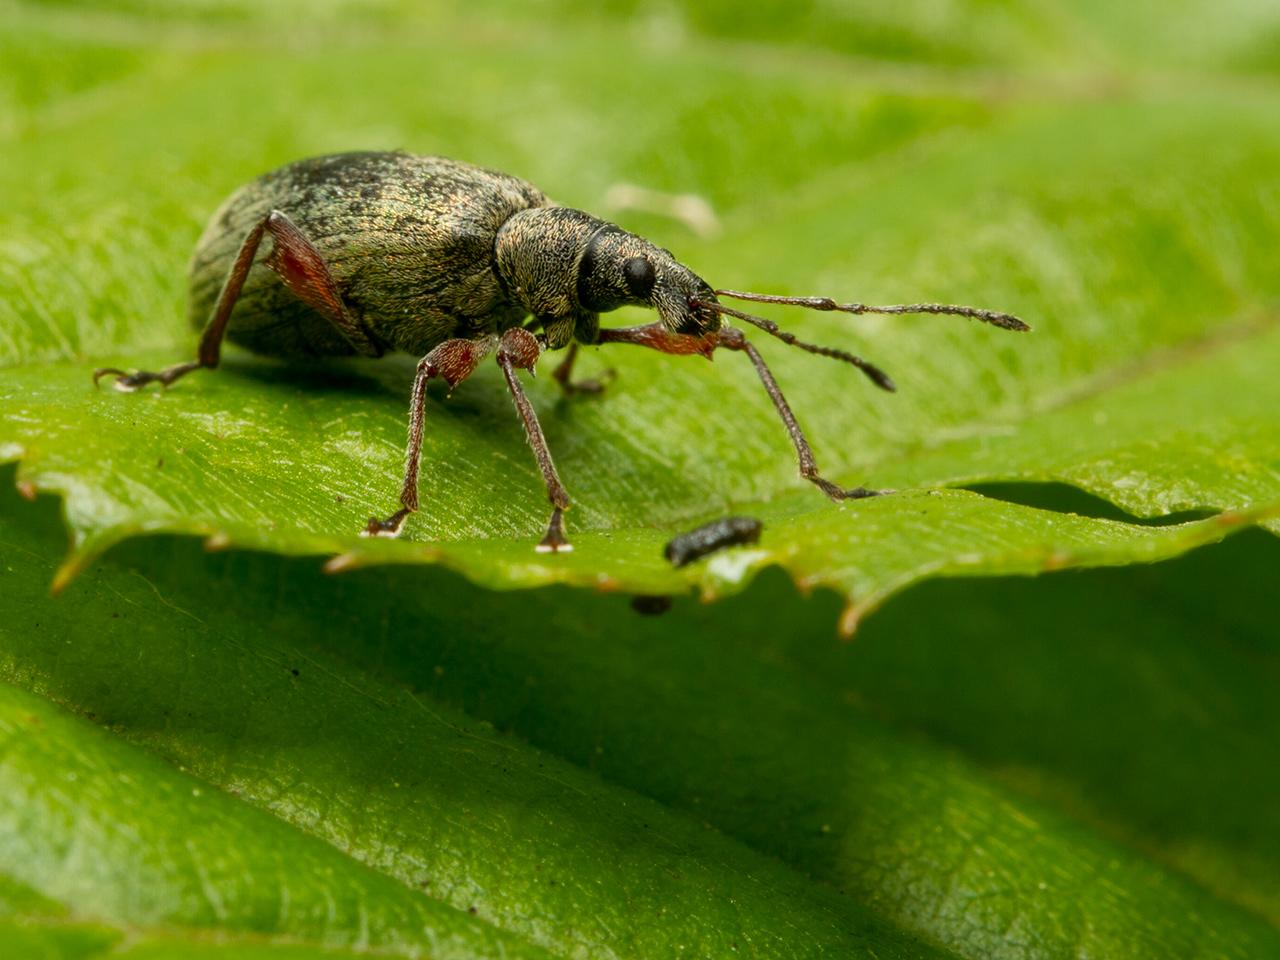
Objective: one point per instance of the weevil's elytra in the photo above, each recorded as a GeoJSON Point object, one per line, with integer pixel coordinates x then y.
{"type": "Point", "coordinates": [373, 252]}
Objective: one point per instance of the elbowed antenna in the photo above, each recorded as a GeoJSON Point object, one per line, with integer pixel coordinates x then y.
{"type": "Point", "coordinates": [874, 373]}
{"type": "Point", "coordinates": [1005, 321]}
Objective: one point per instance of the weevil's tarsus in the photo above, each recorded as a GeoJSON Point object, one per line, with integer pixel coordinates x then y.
{"type": "Point", "coordinates": [389, 527]}
{"type": "Point", "coordinates": [1005, 321]}
{"type": "Point", "coordinates": [304, 273]}
{"type": "Point", "coordinates": [127, 382]}
{"type": "Point", "coordinates": [519, 349]}
{"type": "Point", "coordinates": [874, 373]}
{"type": "Point", "coordinates": [563, 375]}
{"type": "Point", "coordinates": [555, 541]}
{"type": "Point", "coordinates": [453, 361]}
{"type": "Point", "coordinates": [733, 339]}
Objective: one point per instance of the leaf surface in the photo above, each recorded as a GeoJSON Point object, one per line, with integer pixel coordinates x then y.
{"type": "Point", "coordinates": [239, 755]}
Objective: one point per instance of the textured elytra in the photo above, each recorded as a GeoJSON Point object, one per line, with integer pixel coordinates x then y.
{"type": "Point", "coordinates": [423, 249]}
{"type": "Point", "coordinates": [408, 240]}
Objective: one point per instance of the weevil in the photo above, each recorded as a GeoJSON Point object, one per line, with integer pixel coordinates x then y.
{"type": "Point", "coordinates": [378, 252]}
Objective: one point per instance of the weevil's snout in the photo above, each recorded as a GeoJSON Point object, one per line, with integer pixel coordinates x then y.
{"type": "Point", "coordinates": [703, 320]}
{"type": "Point", "coordinates": [683, 305]}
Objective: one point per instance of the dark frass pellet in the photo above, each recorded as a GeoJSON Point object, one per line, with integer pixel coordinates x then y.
{"type": "Point", "coordinates": [710, 537]}
{"type": "Point", "coordinates": [369, 253]}
{"type": "Point", "coordinates": [650, 605]}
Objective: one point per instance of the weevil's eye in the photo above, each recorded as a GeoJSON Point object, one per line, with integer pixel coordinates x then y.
{"type": "Point", "coordinates": [639, 276]}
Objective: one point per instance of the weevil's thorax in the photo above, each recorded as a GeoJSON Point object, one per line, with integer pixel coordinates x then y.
{"type": "Point", "coordinates": [558, 262]}
{"type": "Point", "coordinates": [538, 252]}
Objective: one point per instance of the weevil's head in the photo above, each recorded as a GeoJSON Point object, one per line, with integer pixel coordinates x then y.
{"type": "Point", "coordinates": [558, 261]}
{"type": "Point", "coordinates": [621, 269]}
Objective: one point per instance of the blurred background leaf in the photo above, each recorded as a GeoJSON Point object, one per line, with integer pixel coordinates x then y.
{"type": "Point", "coordinates": [256, 757]}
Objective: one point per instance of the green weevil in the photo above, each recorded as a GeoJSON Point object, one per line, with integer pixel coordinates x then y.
{"type": "Point", "coordinates": [375, 252]}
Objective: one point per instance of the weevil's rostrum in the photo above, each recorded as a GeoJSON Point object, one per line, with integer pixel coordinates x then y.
{"type": "Point", "coordinates": [376, 252]}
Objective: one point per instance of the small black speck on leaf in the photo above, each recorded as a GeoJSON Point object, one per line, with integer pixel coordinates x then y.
{"type": "Point", "coordinates": [710, 537]}
{"type": "Point", "coordinates": [650, 606]}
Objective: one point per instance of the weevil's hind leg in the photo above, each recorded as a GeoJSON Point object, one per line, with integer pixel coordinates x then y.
{"type": "Point", "coordinates": [211, 339]}
{"type": "Point", "coordinates": [303, 271]}
{"type": "Point", "coordinates": [732, 339]}
{"type": "Point", "coordinates": [519, 350]}
{"type": "Point", "coordinates": [454, 361]}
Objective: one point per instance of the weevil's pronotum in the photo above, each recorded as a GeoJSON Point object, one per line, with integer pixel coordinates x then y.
{"type": "Point", "coordinates": [710, 537]}
{"type": "Point", "coordinates": [375, 252]}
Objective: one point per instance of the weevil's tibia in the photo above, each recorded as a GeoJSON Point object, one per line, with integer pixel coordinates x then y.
{"type": "Point", "coordinates": [453, 361]}
{"type": "Point", "coordinates": [733, 339]}
{"type": "Point", "coordinates": [303, 271]}
{"type": "Point", "coordinates": [519, 349]}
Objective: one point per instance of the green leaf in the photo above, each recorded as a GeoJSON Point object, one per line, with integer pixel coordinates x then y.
{"type": "Point", "coordinates": [1143, 260]}
{"type": "Point", "coordinates": [239, 755]}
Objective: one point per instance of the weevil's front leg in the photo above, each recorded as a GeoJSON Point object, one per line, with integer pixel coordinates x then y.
{"type": "Point", "coordinates": [519, 349]}
{"type": "Point", "coordinates": [454, 360]}
{"type": "Point", "coordinates": [657, 337]}
{"type": "Point", "coordinates": [304, 272]}
{"type": "Point", "coordinates": [732, 339]}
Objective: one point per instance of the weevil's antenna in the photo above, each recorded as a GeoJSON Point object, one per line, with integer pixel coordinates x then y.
{"type": "Point", "coordinates": [1005, 321]}
{"type": "Point", "coordinates": [874, 373]}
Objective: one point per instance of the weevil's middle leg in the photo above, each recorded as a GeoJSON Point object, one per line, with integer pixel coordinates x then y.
{"type": "Point", "coordinates": [519, 350]}
{"type": "Point", "coordinates": [454, 361]}
{"type": "Point", "coordinates": [563, 375]}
